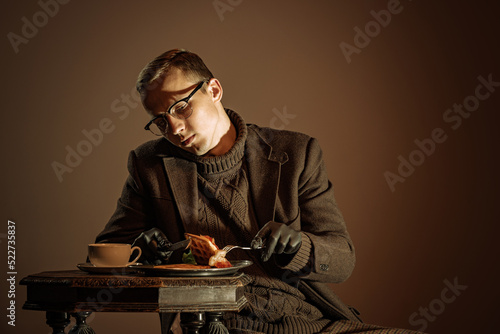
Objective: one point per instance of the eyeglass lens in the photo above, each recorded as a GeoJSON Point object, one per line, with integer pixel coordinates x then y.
{"type": "Point", "coordinates": [181, 110]}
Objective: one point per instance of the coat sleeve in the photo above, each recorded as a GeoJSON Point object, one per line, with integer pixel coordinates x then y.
{"type": "Point", "coordinates": [327, 252]}
{"type": "Point", "coordinates": [133, 211]}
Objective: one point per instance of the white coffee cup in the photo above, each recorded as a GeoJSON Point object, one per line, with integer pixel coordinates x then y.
{"type": "Point", "coordinates": [112, 255]}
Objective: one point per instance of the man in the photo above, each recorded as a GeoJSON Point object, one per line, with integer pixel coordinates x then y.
{"type": "Point", "coordinates": [210, 173]}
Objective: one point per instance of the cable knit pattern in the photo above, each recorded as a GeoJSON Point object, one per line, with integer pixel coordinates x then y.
{"type": "Point", "coordinates": [276, 307]}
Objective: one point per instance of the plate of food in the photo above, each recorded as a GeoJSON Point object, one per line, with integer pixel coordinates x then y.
{"type": "Point", "coordinates": [192, 270]}
{"type": "Point", "coordinates": [205, 259]}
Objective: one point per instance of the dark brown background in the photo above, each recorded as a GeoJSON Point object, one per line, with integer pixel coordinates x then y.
{"type": "Point", "coordinates": [440, 224]}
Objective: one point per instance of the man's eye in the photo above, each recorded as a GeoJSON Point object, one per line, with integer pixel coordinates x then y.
{"type": "Point", "coordinates": [180, 108]}
{"type": "Point", "coordinates": [161, 123]}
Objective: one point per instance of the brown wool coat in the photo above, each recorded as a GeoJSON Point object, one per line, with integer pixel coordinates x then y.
{"type": "Point", "coordinates": [288, 184]}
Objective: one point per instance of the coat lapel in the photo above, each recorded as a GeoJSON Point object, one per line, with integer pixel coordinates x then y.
{"type": "Point", "coordinates": [264, 169]}
{"type": "Point", "coordinates": [181, 174]}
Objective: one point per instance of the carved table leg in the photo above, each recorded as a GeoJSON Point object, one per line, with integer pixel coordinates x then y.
{"type": "Point", "coordinates": [191, 323]}
{"type": "Point", "coordinates": [57, 321]}
{"type": "Point", "coordinates": [215, 326]}
{"type": "Point", "coordinates": [81, 326]}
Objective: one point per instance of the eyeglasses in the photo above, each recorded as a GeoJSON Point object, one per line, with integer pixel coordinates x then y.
{"type": "Point", "coordinates": [181, 109]}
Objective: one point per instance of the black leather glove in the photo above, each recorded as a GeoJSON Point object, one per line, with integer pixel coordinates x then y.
{"type": "Point", "coordinates": [276, 238]}
{"type": "Point", "coordinates": [153, 244]}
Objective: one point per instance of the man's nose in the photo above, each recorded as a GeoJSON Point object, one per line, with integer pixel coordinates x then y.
{"type": "Point", "coordinates": [176, 125]}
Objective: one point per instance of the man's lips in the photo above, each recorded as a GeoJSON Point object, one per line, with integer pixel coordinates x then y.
{"type": "Point", "coordinates": [187, 141]}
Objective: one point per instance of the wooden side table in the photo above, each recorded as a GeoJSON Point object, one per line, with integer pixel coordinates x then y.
{"type": "Point", "coordinates": [200, 300]}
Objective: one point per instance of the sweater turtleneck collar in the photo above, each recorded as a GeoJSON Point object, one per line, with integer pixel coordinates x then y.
{"type": "Point", "coordinates": [221, 163]}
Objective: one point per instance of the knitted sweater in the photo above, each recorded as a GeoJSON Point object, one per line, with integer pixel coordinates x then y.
{"type": "Point", "coordinates": [227, 214]}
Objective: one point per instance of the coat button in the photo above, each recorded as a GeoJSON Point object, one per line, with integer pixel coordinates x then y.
{"type": "Point", "coordinates": [324, 267]}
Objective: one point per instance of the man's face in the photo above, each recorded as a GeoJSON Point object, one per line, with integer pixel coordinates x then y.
{"type": "Point", "coordinates": [202, 131]}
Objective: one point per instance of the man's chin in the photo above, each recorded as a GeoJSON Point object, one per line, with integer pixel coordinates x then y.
{"type": "Point", "coordinates": [194, 150]}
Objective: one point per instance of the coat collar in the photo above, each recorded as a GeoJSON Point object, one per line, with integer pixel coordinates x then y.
{"type": "Point", "coordinates": [264, 170]}
{"type": "Point", "coordinates": [181, 174]}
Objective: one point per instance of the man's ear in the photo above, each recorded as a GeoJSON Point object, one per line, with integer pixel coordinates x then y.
{"type": "Point", "coordinates": [214, 90]}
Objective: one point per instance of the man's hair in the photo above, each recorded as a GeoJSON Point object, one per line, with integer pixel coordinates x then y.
{"type": "Point", "coordinates": [189, 63]}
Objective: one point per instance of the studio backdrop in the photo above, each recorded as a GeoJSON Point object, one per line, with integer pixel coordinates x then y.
{"type": "Point", "coordinates": [402, 95]}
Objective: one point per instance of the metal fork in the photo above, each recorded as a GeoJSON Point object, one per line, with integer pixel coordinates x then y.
{"type": "Point", "coordinates": [229, 248]}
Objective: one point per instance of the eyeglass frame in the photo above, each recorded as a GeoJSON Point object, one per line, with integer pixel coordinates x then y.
{"type": "Point", "coordinates": [186, 99]}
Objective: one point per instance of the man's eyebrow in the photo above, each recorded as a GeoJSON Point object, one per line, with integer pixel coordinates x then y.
{"type": "Point", "coordinates": [184, 92]}
{"type": "Point", "coordinates": [160, 102]}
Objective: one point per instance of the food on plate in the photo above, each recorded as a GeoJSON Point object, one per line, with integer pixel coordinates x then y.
{"type": "Point", "coordinates": [206, 252]}
{"type": "Point", "coordinates": [182, 266]}
{"type": "Point", "coordinates": [219, 259]}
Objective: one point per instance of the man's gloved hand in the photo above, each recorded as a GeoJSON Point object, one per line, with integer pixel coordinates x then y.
{"type": "Point", "coordinates": [153, 244]}
{"type": "Point", "coordinates": [277, 238]}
